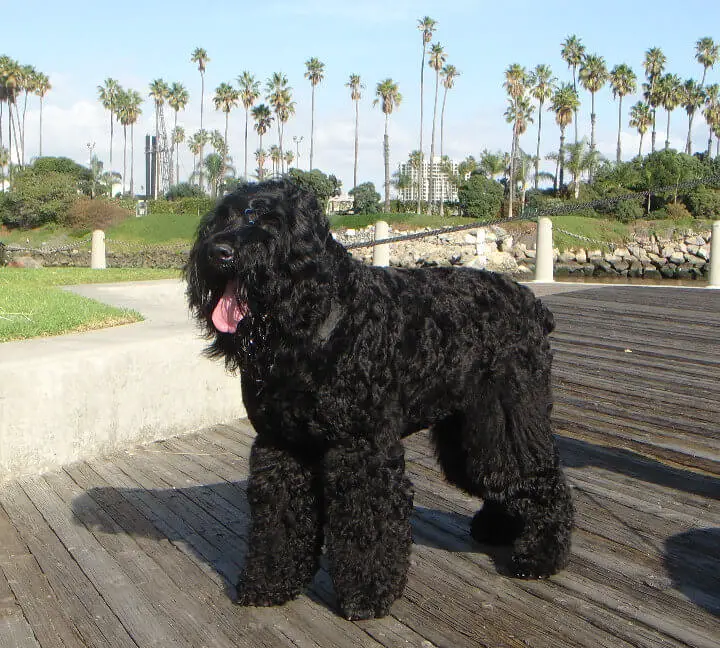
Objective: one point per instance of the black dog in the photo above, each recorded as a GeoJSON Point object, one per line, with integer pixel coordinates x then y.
{"type": "Point", "coordinates": [339, 361]}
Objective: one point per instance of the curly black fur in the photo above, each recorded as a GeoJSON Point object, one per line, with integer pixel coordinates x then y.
{"type": "Point", "coordinates": [338, 362]}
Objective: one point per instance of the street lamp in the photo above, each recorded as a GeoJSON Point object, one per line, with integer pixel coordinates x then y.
{"type": "Point", "coordinates": [91, 150]}
{"type": "Point", "coordinates": [297, 141]}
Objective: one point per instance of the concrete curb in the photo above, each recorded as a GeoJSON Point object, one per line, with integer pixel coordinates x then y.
{"type": "Point", "coordinates": [71, 397]}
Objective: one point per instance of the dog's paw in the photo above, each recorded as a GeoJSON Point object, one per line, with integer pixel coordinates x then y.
{"type": "Point", "coordinates": [250, 597]}
{"type": "Point", "coordinates": [532, 569]}
{"type": "Point", "coordinates": [493, 525]}
{"type": "Point", "coordinates": [359, 610]}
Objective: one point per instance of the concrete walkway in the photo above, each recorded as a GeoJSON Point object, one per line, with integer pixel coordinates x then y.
{"type": "Point", "coordinates": [74, 396]}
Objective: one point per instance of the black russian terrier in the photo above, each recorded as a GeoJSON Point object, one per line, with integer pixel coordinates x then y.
{"type": "Point", "coordinates": [339, 361]}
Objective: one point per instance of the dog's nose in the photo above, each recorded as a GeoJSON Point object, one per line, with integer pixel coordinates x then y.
{"type": "Point", "coordinates": [221, 253]}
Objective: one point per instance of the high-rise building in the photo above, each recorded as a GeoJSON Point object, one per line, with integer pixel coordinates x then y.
{"type": "Point", "coordinates": [435, 181]}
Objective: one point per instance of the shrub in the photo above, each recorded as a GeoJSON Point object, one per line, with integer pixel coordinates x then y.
{"type": "Point", "coordinates": [200, 205]}
{"type": "Point", "coordinates": [628, 211]}
{"type": "Point", "coordinates": [678, 212]}
{"type": "Point", "coordinates": [480, 197]}
{"type": "Point", "coordinates": [86, 214]}
{"type": "Point", "coordinates": [37, 198]}
{"type": "Point", "coordinates": [703, 203]}
{"type": "Point", "coordinates": [366, 199]}
{"type": "Point", "coordinates": [184, 190]}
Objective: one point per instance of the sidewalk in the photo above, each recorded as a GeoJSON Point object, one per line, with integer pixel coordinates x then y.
{"type": "Point", "coordinates": [74, 396]}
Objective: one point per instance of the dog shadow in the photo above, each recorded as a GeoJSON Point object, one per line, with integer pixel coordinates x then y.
{"type": "Point", "coordinates": [209, 523]}
{"type": "Point", "coordinates": [691, 559]}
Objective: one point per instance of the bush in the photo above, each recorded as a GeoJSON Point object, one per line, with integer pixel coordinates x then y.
{"type": "Point", "coordinates": [365, 198]}
{"type": "Point", "coordinates": [480, 197]}
{"type": "Point", "coordinates": [37, 198]}
{"type": "Point", "coordinates": [678, 212]}
{"type": "Point", "coordinates": [703, 203]}
{"type": "Point", "coordinates": [628, 211]}
{"type": "Point", "coordinates": [200, 205]}
{"type": "Point", "coordinates": [86, 214]}
{"type": "Point", "coordinates": [322, 185]}
{"type": "Point", "coordinates": [184, 190]}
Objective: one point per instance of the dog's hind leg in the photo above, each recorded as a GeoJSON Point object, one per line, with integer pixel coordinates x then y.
{"type": "Point", "coordinates": [368, 507]}
{"type": "Point", "coordinates": [505, 453]}
{"type": "Point", "coordinates": [285, 539]}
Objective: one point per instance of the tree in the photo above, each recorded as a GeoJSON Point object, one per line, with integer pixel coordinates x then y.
{"type": "Point", "coordinates": [132, 114]}
{"type": "Point", "coordinates": [365, 199]}
{"type": "Point", "coordinates": [518, 114]}
{"type": "Point", "coordinates": [693, 97]}
{"type": "Point", "coordinates": [579, 160]}
{"type": "Point", "coordinates": [11, 75]}
{"type": "Point", "coordinates": [593, 76]}
{"type": "Point", "coordinates": [249, 94]}
{"type": "Point", "coordinates": [276, 159]}
{"type": "Point", "coordinates": [356, 88]}
{"type": "Point", "coordinates": [322, 185]}
{"type": "Point", "coordinates": [108, 95]}
{"type": "Point", "coordinates": [288, 157]}
{"type": "Point", "coordinates": [711, 112]}
{"type": "Point", "coordinates": [436, 61]}
{"type": "Point", "coordinates": [178, 98]}
{"type": "Point", "coordinates": [449, 74]}
{"type": "Point", "coordinates": [623, 82]}
{"type": "Point", "coordinates": [225, 99]}
{"type": "Point", "coordinates": [654, 65]}
{"type": "Point", "coordinates": [427, 27]}
{"type": "Point", "coordinates": [279, 96]}
{"type": "Point", "coordinates": [200, 56]}
{"type": "Point", "coordinates": [493, 164]}
{"type": "Point", "coordinates": [42, 87]}
{"type": "Point", "coordinates": [480, 197]}
{"type": "Point", "coordinates": [706, 53]}
{"type": "Point", "coordinates": [315, 73]}
{"type": "Point", "coordinates": [159, 91]}
{"type": "Point", "coordinates": [573, 53]}
{"type": "Point", "coordinates": [669, 88]}
{"type": "Point", "coordinates": [641, 118]}
{"type": "Point", "coordinates": [542, 86]}
{"type": "Point", "coordinates": [28, 80]}
{"type": "Point", "coordinates": [263, 121]}
{"type": "Point", "coordinates": [196, 144]}
{"type": "Point", "coordinates": [389, 98]}
{"type": "Point", "coordinates": [564, 105]}
{"type": "Point", "coordinates": [260, 157]}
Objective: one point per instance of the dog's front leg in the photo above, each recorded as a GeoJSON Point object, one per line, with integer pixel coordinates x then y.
{"type": "Point", "coordinates": [368, 504]}
{"type": "Point", "coordinates": [286, 527]}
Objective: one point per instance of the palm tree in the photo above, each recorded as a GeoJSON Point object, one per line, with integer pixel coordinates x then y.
{"type": "Point", "coordinates": [315, 73]}
{"type": "Point", "coordinates": [123, 110]}
{"type": "Point", "coordinates": [355, 94]}
{"type": "Point", "coordinates": [706, 53]}
{"type": "Point", "coordinates": [623, 82]}
{"type": "Point", "coordinates": [436, 61]}
{"type": "Point", "coordinates": [427, 26]}
{"type": "Point", "coordinates": [516, 82]}
{"type": "Point", "coordinates": [578, 160]}
{"type": "Point", "coordinates": [449, 74]}
{"type": "Point", "coordinates": [10, 76]}
{"type": "Point", "coordinates": [564, 104]}
{"type": "Point", "coordinates": [711, 111]}
{"type": "Point", "coordinates": [276, 158]}
{"type": "Point", "coordinates": [593, 76]}
{"type": "Point", "coordinates": [491, 164]}
{"type": "Point", "coordinates": [669, 88]}
{"type": "Point", "coordinates": [573, 53]}
{"type": "Point", "coordinates": [693, 97]}
{"type": "Point", "coordinates": [28, 80]}
{"type": "Point", "coordinates": [289, 157]}
{"type": "Point", "coordinates": [4, 162]}
{"type": "Point", "coordinates": [201, 57]}
{"type": "Point", "coordinates": [159, 91]}
{"type": "Point", "coordinates": [263, 121]}
{"type": "Point", "coordinates": [108, 96]}
{"type": "Point", "coordinates": [178, 137]}
{"type": "Point", "coordinates": [279, 96]}
{"type": "Point", "coordinates": [178, 98]}
{"type": "Point", "coordinates": [225, 99]}
{"type": "Point", "coordinates": [542, 85]}
{"type": "Point", "coordinates": [133, 112]}
{"type": "Point", "coordinates": [42, 87]}
{"type": "Point", "coordinates": [654, 65]}
{"type": "Point", "coordinates": [641, 118]}
{"type": "Point", "coordinates": [389, 98]}
{"type": "Point", "coordinates": [261, 157]}
{"type": "Point", "coordinates": [249, 94]}
{"type": "Point", "coordinates": [196, 144]}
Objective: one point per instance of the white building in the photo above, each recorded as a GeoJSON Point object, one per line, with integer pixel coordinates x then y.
{"type": "Point", "coordinates": [435, 182]}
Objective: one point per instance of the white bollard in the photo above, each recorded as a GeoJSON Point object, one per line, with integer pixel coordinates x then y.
{"type": "Point", "coordinates": [97, 255]}
{"type": "Point", "coordinates": [381, 253]}
{"type": "Point", "coordinates": [714, 279]}
{"type": "Point", "coordinates": [544, 251]}
{"type": "Point", "coordinates": [480, 248]}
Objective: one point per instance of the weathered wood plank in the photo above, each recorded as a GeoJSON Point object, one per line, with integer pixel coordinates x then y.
{"type": "Point", "coordinates": [15, 631]}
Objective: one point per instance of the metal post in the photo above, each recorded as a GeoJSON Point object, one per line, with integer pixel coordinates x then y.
{"type": "Point", "coordinates": [544, 251]}
{"type": "Point", "coordinates": [381, 253]}
{"type": "Point", "coordinates": [714, 279]}
{"type": "Point", "coordinates": [480, 248]}
{"type": "Point", "coordinates": [97, 255]}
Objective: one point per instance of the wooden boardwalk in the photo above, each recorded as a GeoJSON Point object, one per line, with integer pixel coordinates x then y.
{"type": "Point", "coordinates": [134, 549]}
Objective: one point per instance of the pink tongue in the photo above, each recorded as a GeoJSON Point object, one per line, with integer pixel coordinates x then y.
{"type": "Point", "coordinates": [228, 311]}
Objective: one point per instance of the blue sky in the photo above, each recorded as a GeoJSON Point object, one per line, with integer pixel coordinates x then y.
{"type": "Point", "coordinates": [78, 44]}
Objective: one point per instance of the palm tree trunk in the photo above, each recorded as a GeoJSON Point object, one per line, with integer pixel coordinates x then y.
{"type": "Point", "coordinates": [709, 148]}
{"type": "Point", "coordinates": [561, 162]}
{"type": "Point", "coordinates": [442, 146]}
{"type": "Point", "coordinates": [312, 128]}
{"type": "Point", "coordinates": [22, 132]}
{"type": "Point", "coordinates": [111, 137]}
{"type": "Point", "coordinates": [667, 134]}
{"type": "Point", "coordinates": [156, 147]}
{"type": "Point", "coordinates": [386, 153]}
{"type": "Point", "coordinates": [619, 146]}
{"type": "Point", "coordinates": [124, 156]}
{"type": "Point", "coordinates": [652, 135]}
{"type": "Point", "coordinates": [431, 187]}
{"type": "Point", "coordinates": [420, 166]}
{"type": "Point", "coordinates": [357, 125]}
{"type": "Point", "coordinates": [641, 140]}
{"type": "Point", "coordinates": [225, 155]}
{"type": "Point", "coordinates": [132, 160]}
{"type": "Point", "coordinates": [16, 130]}
{"type": "Point", "coordinates": [575, 119]}
{"type": "Point", "coordinates": [245, 175]}
{"type": "Point", "coordinates": [593, 117]}
{"type": "Point", "coordinates": [176, 145]}
{"type": "Point", "coordinates": [688, 143]}
{"type": "Point", "coordinates": [537, 150]}
{"type": "Point", "coordinates": [202, 144]}
{"type": "Point", "coordinates": [41, 117]}
{"type": "Point", "coordinates": [511, 183]}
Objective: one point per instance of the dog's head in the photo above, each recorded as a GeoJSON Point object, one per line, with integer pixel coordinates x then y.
{"type": "Point", "coordinates": [257, 238]}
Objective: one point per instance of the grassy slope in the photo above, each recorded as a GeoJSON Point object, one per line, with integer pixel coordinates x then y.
{"type": "Point", "coordinates": [32, 305]}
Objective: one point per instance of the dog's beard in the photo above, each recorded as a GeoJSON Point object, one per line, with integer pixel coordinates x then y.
{"type": "Point", "coordinates": [229, 310]}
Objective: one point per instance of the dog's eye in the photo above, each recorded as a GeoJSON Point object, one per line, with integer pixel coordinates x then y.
{"type": "Point", "coordinates": [250, 214]}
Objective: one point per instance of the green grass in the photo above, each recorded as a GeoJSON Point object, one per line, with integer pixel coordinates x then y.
{"type": "Point", "coordinates": [33, 305]}
{"type": "Point", "coordinates": [156, 229]}
{"type": "Point", "coordinates": [600, 232]}
{"type": "Point", "coordinates": [397, 221]}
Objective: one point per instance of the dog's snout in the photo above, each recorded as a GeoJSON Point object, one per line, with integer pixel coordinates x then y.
{"type": "Point", "coordinates": [221, 253]}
